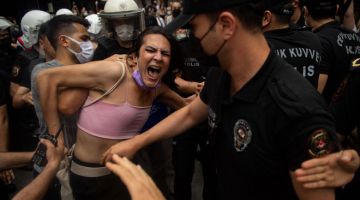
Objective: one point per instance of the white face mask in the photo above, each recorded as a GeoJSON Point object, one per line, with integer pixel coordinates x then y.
{"type": "Point", "coordinates": [86, 53]}
{"type": "Point", "coordinates": [125, 32]}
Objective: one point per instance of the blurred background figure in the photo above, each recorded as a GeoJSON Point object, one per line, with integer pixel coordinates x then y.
{"type": "Point", "coordinates": [30, 25]}
{"type": "Point", "coordinates": [64, 11]}
{"type": "Point", "coordinates": [95, 28]}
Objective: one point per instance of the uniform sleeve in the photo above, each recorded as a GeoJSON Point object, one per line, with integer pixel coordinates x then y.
{"type": "Point", "coordinates": [309, 137]}
{"type": "Point", "coordinates": [18, 68]}
{"type": "Point", "coordinates": [327, 56]}
{"type": "Point", "coordinates": [204, 94]}
{"type": "Point", "coordinates": [346, 107]}
{"type": "Point", "coordinates": [307, 128]}
{"type": "Point", "coordinates": [24, 78]}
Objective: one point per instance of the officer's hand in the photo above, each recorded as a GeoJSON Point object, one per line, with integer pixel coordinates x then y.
{"type": "Point", "coordinates": [53, 154]}
{"type": "Point", "coordinates": [137, 181]}
{"type": "Point", "coordinates": [334, 170]}
{"type": "Point", "coordinates": [126, 148]}
{"type": "Point", "coordinates": [7, 176]}
{"type": "Point", "coordinates": [27, 98]}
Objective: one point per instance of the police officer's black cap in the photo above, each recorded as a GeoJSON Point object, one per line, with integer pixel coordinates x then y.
{"type": "Point", "coordinates": [320, 4]}
{"type": "Point", "coordinates": [193, 7]}
{"type": "Point", "coordinates": [281, 7]}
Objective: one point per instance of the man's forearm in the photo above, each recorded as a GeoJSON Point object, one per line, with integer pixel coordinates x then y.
{"type": "Point", "coordinates": [38, 187]}
{"type": "Point", "coordinates": [14, 159]}
{"type": "Point", "coordinates": [49, 101]}
{"type": "Point", "coordinates": [176, 123]}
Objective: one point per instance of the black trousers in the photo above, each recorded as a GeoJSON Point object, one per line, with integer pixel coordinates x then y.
{"type": "Point", "coordinates": [185, 151]}
{"type": "Point", "coordinates": [107, 187]}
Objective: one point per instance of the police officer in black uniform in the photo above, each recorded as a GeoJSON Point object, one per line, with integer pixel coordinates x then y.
{"type": "Point", "coordinates": [346, 109]}
{"type": "Point", "coordinates": [7, 57]}
{"type": "Point", "coordinates": [25, 121]}
{"type": "Point", "coordinates": [339, 45]}
{"type": "Point", "coordinates": [194, 143]}
{"type": "Point", "coordinates": [22, 99]}
{"type": "Point", "coordinates": [299, 47]}
{"type": "Point", "coordinates": [265, 119]}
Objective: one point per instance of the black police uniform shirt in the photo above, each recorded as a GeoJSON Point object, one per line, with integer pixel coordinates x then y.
{"type": "Point", "coordinates": [108, 47]}
{"type": "Point", "coordinates": [339, 47]}
{"type": "Point", "coordinates": [22, 63]}
{"type": "Point", "coordinates": [196, 63]}
{"type": "Point", "coordinates": [25, 75]}
{"type": "Point", "coordinates": [7, 57]}
{"type": "Point", "coordinates": [25, 121]}
{"type": "Point", "coordinates": [346, 105]}
{"type": "Point", "coordinates": [299, 48]}
{"type": "Point", "coordinates": [270, 126]}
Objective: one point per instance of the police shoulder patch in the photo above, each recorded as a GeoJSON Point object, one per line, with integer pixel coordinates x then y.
{"type": "Point", "coordinates": [242, 135]}
{"type": "Point", "coordinates": [319, 143]}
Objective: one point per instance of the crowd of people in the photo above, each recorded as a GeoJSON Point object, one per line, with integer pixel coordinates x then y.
{"type": "Point", "coordinates": [105, 103]}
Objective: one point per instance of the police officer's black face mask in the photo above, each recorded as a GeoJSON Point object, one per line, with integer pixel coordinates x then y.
{"type": "Point", "coordinates": [211, 60]}
{"type": "Point", "coordinates": [204, 36]}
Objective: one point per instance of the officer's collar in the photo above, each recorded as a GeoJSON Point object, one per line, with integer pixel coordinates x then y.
{"type": "Point", "coordinates": [282, 31]}
{"type": "Point", "coordinates": [252, 89]}
{"type": "Point", "coordinates": [331, 23]}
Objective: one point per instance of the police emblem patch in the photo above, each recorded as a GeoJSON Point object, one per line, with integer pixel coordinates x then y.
{"type": "Point", "coordinates": [242, 135]}
{"type": "Point", "coordinates": [319, 143]}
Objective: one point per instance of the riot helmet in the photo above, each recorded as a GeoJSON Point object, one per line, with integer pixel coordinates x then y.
{"type": "Point", "coordinates": [123, 19]}
{"type": "Point", "coordinates": [30, 24]}
{"type": "Point", "coordinates": [5, 37]}
{"type": "Point", "coordinates": [64, 11]}
{"type": "Point", "coordinates": [95, 24]}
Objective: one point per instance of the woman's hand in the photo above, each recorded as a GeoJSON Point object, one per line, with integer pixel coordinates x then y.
{"type": "Point", "coordinates": [126, 148]}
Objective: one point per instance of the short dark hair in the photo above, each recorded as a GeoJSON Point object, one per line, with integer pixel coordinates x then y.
{"type": "Point", "coordinates": [42, 30]}
{"type": "Point", "coordinates": [250, 15]}
{"type": "Point", "coordinates": [282, 9]}
{"type": "Point", "coordinates": [63, 24]}
{"type": "Point", "coordinates": [321, 9]}
{"type": "Point", "coordinates": [176, 56]}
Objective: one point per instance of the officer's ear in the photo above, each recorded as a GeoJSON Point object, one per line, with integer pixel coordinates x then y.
{"type": "Point", "coordinates": [227, 22]}
{"type": "Point", "coordinates": [267, 17]}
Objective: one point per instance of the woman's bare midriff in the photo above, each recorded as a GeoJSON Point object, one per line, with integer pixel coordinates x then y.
{"type": "Point", "coordinates": [90, 148]}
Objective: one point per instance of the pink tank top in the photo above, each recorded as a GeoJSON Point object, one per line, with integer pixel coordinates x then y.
{"type": "Point", "coordinates": [112, 121]}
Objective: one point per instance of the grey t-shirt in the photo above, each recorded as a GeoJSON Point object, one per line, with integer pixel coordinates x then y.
{"type": "Point", "coordinates": [69, 122]}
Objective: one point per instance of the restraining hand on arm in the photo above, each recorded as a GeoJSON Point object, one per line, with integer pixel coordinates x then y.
{"type": "Point", "coordinates": [334, 170]}
{"type": "Point", "coordinates": [38, 187]}
{"type": "Point", "coordinates": [173, 125]}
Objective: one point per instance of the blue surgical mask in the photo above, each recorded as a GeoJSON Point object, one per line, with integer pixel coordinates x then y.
{"type": "Point", "coordinates": [86, 53]}
{"type": "Point", "coordinates": [140, 82]}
